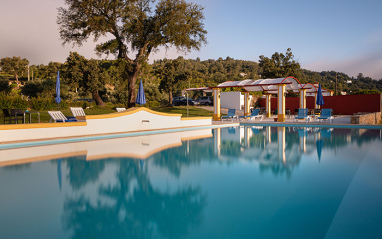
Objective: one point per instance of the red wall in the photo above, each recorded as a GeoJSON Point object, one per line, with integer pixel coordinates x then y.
{"type": "Point", "coordinates": [341, 104]}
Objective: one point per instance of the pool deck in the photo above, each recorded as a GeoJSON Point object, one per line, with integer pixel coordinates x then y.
{"type": "Point", "coordinates": [340, 121]}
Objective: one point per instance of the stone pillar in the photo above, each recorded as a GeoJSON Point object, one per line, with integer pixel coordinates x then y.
{"type": "Point", "coordinates": [217, 114]}
{"type": "Point", "coordinates": [281, 104]}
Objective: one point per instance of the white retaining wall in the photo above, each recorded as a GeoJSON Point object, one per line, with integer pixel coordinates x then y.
{"type": "Point", "coordinates": [136, 119]}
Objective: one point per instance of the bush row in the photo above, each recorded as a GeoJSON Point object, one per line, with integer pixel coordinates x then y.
{"type": "Point", "coordinates": [38, 103]}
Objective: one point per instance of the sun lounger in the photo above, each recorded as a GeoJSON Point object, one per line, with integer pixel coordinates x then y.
{"type": "Point", "coordinates": [326, 114]}
{"type": "Point", "coordinates": [77, 111]}
{"type": "Point", "coordinates": [302, 114]}
{"type": "Point", "coordinates": [120, 109]}
{"type": "Point", "coordinates": [58, 116]}
{"type": "Point", "coordinates": [255, 114]}
{"type": "Point", "coordinates": [231, 115]}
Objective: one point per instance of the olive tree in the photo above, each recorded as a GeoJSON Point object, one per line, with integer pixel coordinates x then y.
{"type": "Point", "coordinates": [14, 66]}
{"type": "Point", "coordinates": [139, 27]}
{"type": "Point", "coordinates": [279, 65]}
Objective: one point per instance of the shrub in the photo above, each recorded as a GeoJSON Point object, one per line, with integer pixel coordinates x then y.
{"type": "Point", "coordinates": [40, 103]}
{"type": "Point", "coordinates": [12, 102]}
{"type": "Point", "coordinates": [4, 86]}
{"type": "Point", "coordinates": [152, 103]}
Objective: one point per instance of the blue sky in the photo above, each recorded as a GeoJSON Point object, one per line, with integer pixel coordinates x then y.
{"type": "Point", "coordinates": [344, 36]}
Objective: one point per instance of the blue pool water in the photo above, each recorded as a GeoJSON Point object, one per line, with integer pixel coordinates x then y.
{"type": "Point", "coordinates": [239, 182]}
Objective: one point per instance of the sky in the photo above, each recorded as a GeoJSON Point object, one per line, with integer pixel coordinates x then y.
{"type": "Point", "coordinates": [340, 35]}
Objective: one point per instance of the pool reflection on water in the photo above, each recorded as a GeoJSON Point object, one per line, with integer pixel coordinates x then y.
{"type": "Point", "coordinates": [239, 182]}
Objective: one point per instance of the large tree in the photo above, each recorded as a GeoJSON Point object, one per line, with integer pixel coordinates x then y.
{"type": "Point", "coordinates": [15, 66]}
{"type": "Point", "coordinates": [85, 74]}
{"type": "Point", "coordinates": [279, 65]}
{"type": "Point", "coordinates": [133, 26]}
{"type": "Point", "coordinates": [169, 77]}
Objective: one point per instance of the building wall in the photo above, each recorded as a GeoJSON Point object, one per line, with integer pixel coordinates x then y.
{"type": "Point", "coordinates": [232, 100]}
{"type": "Point", "coordinates": [340, 104]}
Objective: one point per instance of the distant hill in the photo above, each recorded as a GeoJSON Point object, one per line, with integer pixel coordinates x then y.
{"type": "Point", "coordinates": [212, 72]}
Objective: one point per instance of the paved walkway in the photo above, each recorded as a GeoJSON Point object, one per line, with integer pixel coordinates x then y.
{"type": "Point", "coordinates": [338, 119]}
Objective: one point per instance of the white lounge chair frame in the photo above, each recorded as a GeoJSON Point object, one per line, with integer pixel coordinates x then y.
{"type": "Point", "coordinates": [77, 111]}
{"type": "Point", "coordinates": [57, 116]}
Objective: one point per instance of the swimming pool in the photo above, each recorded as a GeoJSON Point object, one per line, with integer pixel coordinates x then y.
{"type": "Point", "coordinates": [237, 182]}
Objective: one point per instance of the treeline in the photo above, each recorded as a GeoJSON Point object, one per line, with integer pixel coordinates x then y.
{"type": "Point", "coordinates": [350, 85]}
{"type": "Point", "coordinates": [104, 80]}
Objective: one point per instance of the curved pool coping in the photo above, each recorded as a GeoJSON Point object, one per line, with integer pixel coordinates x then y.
{"type": "Point", "coordinates": [161, 131]}
{"type": "Point", "coordinates": [98, 137]}
{"type": "Point", "coordinates": [349, 126]}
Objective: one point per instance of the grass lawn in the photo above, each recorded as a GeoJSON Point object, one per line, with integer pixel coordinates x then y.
{"type": "Point", "coordinates": [192, 112]}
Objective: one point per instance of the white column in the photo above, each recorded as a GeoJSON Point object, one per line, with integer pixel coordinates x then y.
{"type": "Point", "coordinates": [281, 104]}
{"type": "Point", "coordinates": [302, 98]}
{"type": "Point", "coordinates": [281, 143]}
{"type": "Point", "coordinates": [247, 136]}
{"type": "Point", "coordinates": [246, 104]}
{"type": "Point", "coordinates": [315, 100]}
{"type": "Point", "coordinates": [268, 105]}
{"type": "Point", "coordinates": [217, 114]}
{"type": "Point", "coordinates": [269, 134]}
{"type": "Point", "coordinates": [217, 142]}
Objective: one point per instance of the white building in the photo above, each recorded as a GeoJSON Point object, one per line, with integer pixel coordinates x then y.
{"type": "Point", "coordinates": [233, 100]}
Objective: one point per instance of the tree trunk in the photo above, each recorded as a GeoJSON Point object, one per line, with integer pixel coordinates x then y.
{"type": "Point", "coordinates": [97, 98]}
{"type": "Point", "coordinates": [133, 75]}
{"type": "Point", "coordinates": [17, 78]}
{"type": "Point", "coordinates": [170, 98]}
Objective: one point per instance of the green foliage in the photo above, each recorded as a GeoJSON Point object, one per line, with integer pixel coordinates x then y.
{"type": "Point", "coordinates": [41, 103]}
{"type": "Point", "coordinates": [15, 66]}
{"type": "Point", "coordinates": [45, 88]}
{"type": "Point", "coordinates": [170, 76]}
{"type": "Point", "coordinates": [141, 26]}
{"type": "Point", "coordinates": [344, 82]}
{"type": "Point", "coordinates": [12, 102]}
{"type": "Point", "coordinates": [152, 103]}
{"type": "Point", "coordinates": [87, 75]}
{"type": "Point", "coordinates": [4, 86]}
{"type": "Point", "coordinates": [366, 92]}
{"type": "Point", "coordinates": [279, 65]}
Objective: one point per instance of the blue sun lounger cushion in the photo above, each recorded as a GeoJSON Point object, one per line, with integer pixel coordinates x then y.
{"type": "Point", "coordinates": [326, 114]}
{"type": "Point", "coordinates": [255, 114]}
{"type": "Point", "coordinates": [302, 114]}
{"type": "Point", "coordinates": [231, 115]}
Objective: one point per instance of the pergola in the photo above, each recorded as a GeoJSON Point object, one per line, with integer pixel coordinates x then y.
{"type": "Point", "coordinates": [279, 86]}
